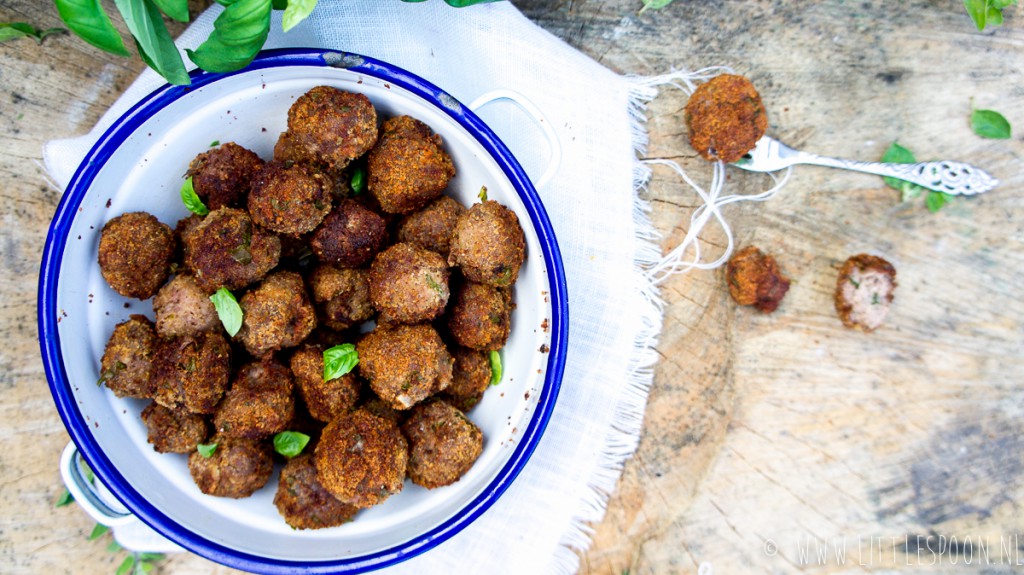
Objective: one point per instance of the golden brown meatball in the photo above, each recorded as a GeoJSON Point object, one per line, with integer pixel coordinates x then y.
{"type": "Point", "coordinates": [481, 317]}
{"type": "Point", "coordinates": [443, 444]}
{"type": "Point", "coordinates": [227, 250]}
{"type": "Point", "coordinates": [408, 167]}
{"type": "Point", "coordinates": [126, 367]}
{"type": "Point", "coordinates": [221, 176]}
{"type": "Point", "coordinates": [470, 378]}
{"type": "Point", "coordinates": [342, 296]}
{"type": "Point", "coordinates": [237, 468]}
{"type": "Point", "coordinates": [290, 200]}
{"type": "Point", "coordinates": [350, 236]}
{"type": "Point", "coordinates": [726, 118]}
{"type": "Point", "coordinates": [303, 501]}
{"type": "Point", "coordinates": [183, 308]}
{"type": "Point", "coordinates": [864, 291]}
{"type": "Point", "coordinates": [488, 244]}
{"type": "Point", "coordinates": [135, 254]}
{"type": "Point", "coordinates": [276, 314]}
{"type": "Point", "coordinates": [192, 371]}
{"type": "Point", "coordinates": [432, 227]}
{"type": "Point", "coordinates": [754, 279]}
{"type": "Point", "coordinates": [329, 126]}
{"type": "Point", "coordinates": [325, 400]}
{"type": "Point", "coordinates": [173, 430]}
{"type": "Point", "coordinates": [259, 403]}
{"type": "Point", "coordinates": [361, 458]}
{"type": "Point", "coordinates": [408, 284]}
{"type": "Point", "coordinates": [405, 364]}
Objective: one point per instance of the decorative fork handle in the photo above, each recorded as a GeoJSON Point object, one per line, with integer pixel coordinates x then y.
{"type": "Point", "coordinates": [955, 178]}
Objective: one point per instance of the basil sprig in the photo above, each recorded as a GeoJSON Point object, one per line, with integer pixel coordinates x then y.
{"type": "Point", "coordinates": [228, 310]}
{"type": "Point", "coordinates": [339, 360]}
{"type": "Point", "coordinates": [12, 30]}
{"type": "Point", "coordinates": [897, 154]}
{"type": "Point", "coordinates": [990, 124]}
{"type": "Point", "coordinates": [191, 199]}
{"type": "Point", "coordinates": [290, 443]}
{"type": "Point", "coordinates": [238, 34]}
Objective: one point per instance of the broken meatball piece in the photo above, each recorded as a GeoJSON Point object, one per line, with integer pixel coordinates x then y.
{"type": "Point", "coordinates": [408, 284]}
{"type": "Point", "coordinates": [126, 367]}
{"type": "Point", "coordinates": [259, 403]}
{"type": "Point", "coordinates": [302, 500]}
{"type": "Point", "coordinates": [350, 236]}
{"type": "Point", "coordinates": [173, 430]}
{"type": "Point", "coordinates": [342, 296]}
{"type": "Point", "coordinates": [443, 444]}
{"type": "Point", "coordinates": [754, 279]}
{"type": "Point", "coordinates": [864, 291]}
{"type": "Point", "coordinates": [182, 308]}
{"type": "Point", "coordinates": [405, 364]}
{"type": "Point", "coordinates": [726, 118]}
{"type": "Point", "coordinates": [276, 314]}
{"type": "Point", "coordinates": [488, 244]}
{"type": "Point", "coordinates": [325, 400]}
{"type": "Point", "coordinates": [330, 127]}
{"type": "Point", "coordinates": [237, 467]}
{"type": "Point", "coordinates": [432, 227]}
{"type": "Point", "coordinates": [408, 167]}
{"type": "Point", "coordinates": [226, 249]}
{"type": "Point", "coordinates": [192, 371]}
{"type": "Point", "coordinates": [361, 458]}
{"type": "Point", "coordinates": [221, 176]}
{"type": "Point", "coordinates": [288, 200]}
{"type": "Point", "coordinates": [135, 254]}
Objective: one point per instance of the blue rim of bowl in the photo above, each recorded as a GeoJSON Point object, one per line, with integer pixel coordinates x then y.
{"type": "Point", "coordinates": [73, 419]}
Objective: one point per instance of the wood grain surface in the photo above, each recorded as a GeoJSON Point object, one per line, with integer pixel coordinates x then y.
{"type": "Point", "coordinates": [768, 439]}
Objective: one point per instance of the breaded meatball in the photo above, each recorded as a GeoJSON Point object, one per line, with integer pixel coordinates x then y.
{"type": "Point", "coordinates": [481, 317]}
{"type": "Point", "coordinates": [291, 200]}
{"type": "Point", "coordinates": [276, 314]}
{"type": "Point", "coordinates": [864, 291]}
{"type": "Point", "coordinates": [342, 296]}
{"type": "Point", "coordinates": [408, 284]}
{"type": "Point", "coordinates": [408, 167]}
{"type": "Point", "coordinates": [259, 403]}
{"type": "Point", "coordinates": [182, 308]}
{"type": "Point", "coordinates": [361, 458]}
{"type": "Point", "coordinates": [470, 378]}
{"type": "Point", "coordinates": [488, 244]}
{"type": "Point", "coordinates": [303, 501]}
{"type": "Point", "coordinates": [126, 367]}
{"type": "Point", "coordinates": [381, 408]}
{"type": "Point", "coordinates": [227, 250]}
{"type": "Point", "coordinates": [325, 400]}
{"type": "Point", "coordinates": [726, 118]}
{"type": "Point", "coordinates": [754, 279]}
{"type": "Point", "coordinates": [405, 364]}
{"type": "Point", "coordinates": [350, 236]}
{"type": "Point", "coordinates": [237, 468]}
{"type": "Point", "coordinates": [221, 176]}
{"type": "Point", "coordinates": [192, 371]}
{"type": "Point", "coordinates": [136, 251]}
{"type": "Point", "coordinates": [443, 444]}
{"type": "Point", "coordinates": [432, 227]}
{"type": "Point", "coordinates": [329, 126]}
{"type": "Point", "coordinates": [173, 430]}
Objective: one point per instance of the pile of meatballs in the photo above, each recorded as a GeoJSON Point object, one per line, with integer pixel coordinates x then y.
{"type": "Point", "coordinates": [313, 264]}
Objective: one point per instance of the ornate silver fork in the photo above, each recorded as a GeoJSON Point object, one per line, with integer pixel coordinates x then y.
{"type": "Point", "coordinates": [956, 178]}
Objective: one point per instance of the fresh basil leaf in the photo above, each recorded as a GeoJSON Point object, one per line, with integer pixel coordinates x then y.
{"type": "Point", "coordinates": [176, 9]}
{"type": "Point", "coordinates": [238, 34]}
{"type": "Point", "coordinates": [113, 546]}
{"type": "Point", "coordinates": [228, 310]}
{"type": "Point", "coordinates": [12, 30]}
{"type": "Point", "coordinates": [149, 557]}
{"type": "Point", "coordinates": [496, 368]}
{"type": "Point", "coordinates": [935, 200]}
{"type": "Point", "coordinates": [191, 199]}
{"type": "Point", "coordinates": [156, 47]}
{"type": "Point", "coordinates": [290, 443]}
{"type": "Point", "coordinates": [978, 11]}
{"type": "Point", "coordinates": [990, 124]}
{"type": "Point", "coordinates": [897, 154]}
{"type": "Point", "coordinates": [98, 531]}
{"type": "Point", "coordinates": [654, 5]}
{"type": "Point", "coordinates": [206, 449]}
{"type": "Point", "coordinates": [126, 566]}
{"type": "Point", "coordinates": [482, 194]}
{"type": "Point", "coordinates": [65, 499]}
{"type": "Point", "coordinates": [339, 360]}
{"type": "Point", "coordinates": [279, 4]}
{"type": "Point", "coordinates": [89, 22]}
{"type": "Point", "coordinates": [464, 3]}
{"type": "Point", "coordinates": [296, 11]}
{"type": "Point", "coordinates": [214, 143]}
{"type": "Point", "coordinates": [358, 182]}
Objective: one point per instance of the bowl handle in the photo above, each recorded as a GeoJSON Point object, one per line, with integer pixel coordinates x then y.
{"type": "Point", "coordinates": [90, 494]}
{"type": "Point", "coordinates": [538, 117]}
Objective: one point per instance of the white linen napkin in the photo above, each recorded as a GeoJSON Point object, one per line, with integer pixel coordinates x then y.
{"type": "Point", "coordinates": [542, 521]}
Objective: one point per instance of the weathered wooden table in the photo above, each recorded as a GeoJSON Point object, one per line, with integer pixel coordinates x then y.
{"type": "Point", "coordinates": [776, 443]}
